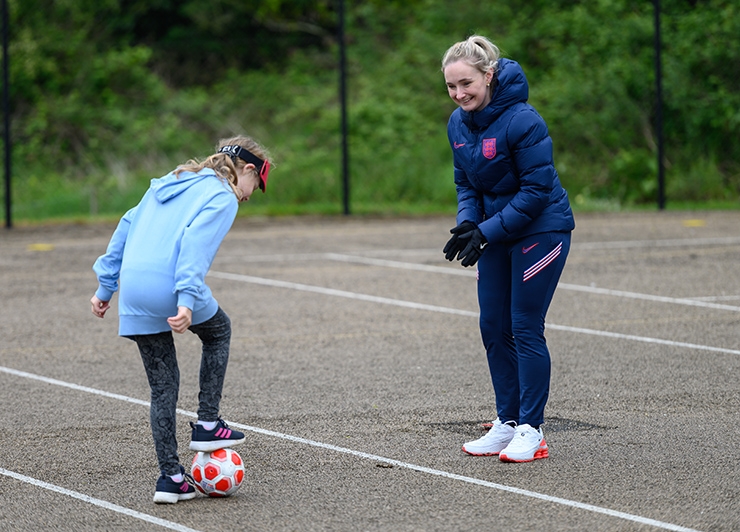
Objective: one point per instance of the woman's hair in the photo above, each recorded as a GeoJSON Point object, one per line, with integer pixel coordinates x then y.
{"type": "Point", "coordinates": [222, 163]}
{"type": "Point", "coordinates": [476, 50]}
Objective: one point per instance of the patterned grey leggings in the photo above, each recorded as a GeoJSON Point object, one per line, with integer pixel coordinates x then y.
{"type": "Point", "coordinates": [160, 362]}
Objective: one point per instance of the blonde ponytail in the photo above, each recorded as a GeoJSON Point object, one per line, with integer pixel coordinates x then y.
{"type": "Point", "coordinates": [223, 165]}
{"type": "Point", "coordinates": [476, 50]}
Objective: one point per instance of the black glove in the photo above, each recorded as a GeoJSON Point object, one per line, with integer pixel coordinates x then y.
{"type": "Point", "coordinates": [476, 243]}
{"type": "Point", "coordinates": [455, 244]}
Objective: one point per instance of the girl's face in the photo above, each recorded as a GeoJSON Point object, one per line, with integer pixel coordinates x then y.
{"type": "Point", "coordinates": [248, 180]}
{"type": "Point", "coordinates": [467, 86]}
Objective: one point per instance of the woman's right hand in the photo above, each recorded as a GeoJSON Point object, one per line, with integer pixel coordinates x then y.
{"type": "Point", "coordinates": [456, 244]}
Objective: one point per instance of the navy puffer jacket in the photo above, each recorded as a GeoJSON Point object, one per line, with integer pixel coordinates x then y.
{"type": "Point", "coordinates": [504, 173]}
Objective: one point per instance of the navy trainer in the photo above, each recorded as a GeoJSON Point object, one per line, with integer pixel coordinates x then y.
{"type": "Point", "coordinates": [220, 437]}
{"type": "Point", "coordinates": [169, 492]}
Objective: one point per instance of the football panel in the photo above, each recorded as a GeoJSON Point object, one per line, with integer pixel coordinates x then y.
{"type": "Point", "coordinates": [220, 454]}
{"type": "Point", "coordinates": [211, 471]}
{"type": "Point", "coordinates": [224, 484]}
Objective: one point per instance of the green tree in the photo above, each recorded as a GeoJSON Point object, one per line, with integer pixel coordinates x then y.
{"type": "Point", "coordinates": [108, 93]}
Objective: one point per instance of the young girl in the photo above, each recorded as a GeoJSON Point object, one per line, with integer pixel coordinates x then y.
{"type": "Point", "coordinates": [161, 252]}
{"type": "Point", "coordinates": [514, 220]}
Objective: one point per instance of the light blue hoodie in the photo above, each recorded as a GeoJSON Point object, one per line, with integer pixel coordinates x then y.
{"type": "Point", "coordinates": [162, 250]}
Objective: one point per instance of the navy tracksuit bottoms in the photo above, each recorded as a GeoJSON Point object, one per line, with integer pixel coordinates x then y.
{"type": "Point", "coordinates": [516, 282]}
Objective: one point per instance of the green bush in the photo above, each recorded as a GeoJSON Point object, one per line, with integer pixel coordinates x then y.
{"type": "Point", "coordinates": [106, 96]}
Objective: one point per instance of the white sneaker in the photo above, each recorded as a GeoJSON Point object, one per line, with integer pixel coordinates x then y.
{"type": "Point", "coordinates": [528, 444]}
{"type": "Point", "coordinates": [493, 442]}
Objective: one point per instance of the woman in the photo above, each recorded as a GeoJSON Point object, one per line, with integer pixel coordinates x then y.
{"type": "Point", "coordinates": [162, 250]}
{"type": "Point", "coordinates": [514, 221]}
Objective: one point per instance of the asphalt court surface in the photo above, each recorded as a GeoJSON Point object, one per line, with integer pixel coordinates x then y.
{"type": "Point", "coordinates": [357, 372]}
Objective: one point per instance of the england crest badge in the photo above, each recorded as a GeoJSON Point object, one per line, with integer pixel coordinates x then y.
{"type": "Point", "coordinates": [489, 148]}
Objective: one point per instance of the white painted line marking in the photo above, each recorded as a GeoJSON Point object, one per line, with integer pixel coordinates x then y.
{"type": "Point", "coordinates": [645, 339]}
{"type": "Point", "coordinates": [664, 243]}
{"type": "Point", "coordinates": [401, 265]}
{"type": "Point", "coordinates": [717, 298]}
{"type": "Point", "coordinates": [330, 447]}
{"type": "Point", "coordinates": [336, 293]}
{"type": "Point", "coordinates": [704, 302]}
{"type": "Point", "coordinates": [697, 302]}
{"type": "Point", "coordinates": [648, 297]}
{"type": "Point", "coordinates": [97, 502]}
{"type": "Point", "coordinates": [437, 252]}
{"type": "Point", "coordinates": [447, 310]}
{"type": "Point", "coordinates": [470, 480]}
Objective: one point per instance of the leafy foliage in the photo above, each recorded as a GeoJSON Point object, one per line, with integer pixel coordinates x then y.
{"type": "Point", "coordinates": [109, 93]}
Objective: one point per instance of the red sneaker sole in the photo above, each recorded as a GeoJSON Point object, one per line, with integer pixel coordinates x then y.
{"type": "Point", "coordinates": [478, 454]}
{"type": "Point", "coordinates": [542, 452]}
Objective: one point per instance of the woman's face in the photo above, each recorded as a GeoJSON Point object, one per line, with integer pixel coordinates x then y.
{"type": "Point", "coordinates": [248, 180]}
{"type": "Point", "coordinates": [468, 86]}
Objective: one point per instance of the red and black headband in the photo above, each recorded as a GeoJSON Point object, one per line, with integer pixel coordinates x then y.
{"type": "Point", "coordinates": [262, 165]}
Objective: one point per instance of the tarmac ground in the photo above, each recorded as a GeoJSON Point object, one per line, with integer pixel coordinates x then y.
{"type": "Point", "coordinates": [357, 372]}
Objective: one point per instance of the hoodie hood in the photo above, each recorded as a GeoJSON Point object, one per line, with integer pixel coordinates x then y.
{"type": "Point", "coordinates": [511, 88]}
{"type": "Point", "coordinates": [167, 187]}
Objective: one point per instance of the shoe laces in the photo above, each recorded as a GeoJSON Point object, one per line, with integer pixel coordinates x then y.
{"type": "Point", "coordinates": [498, 429]}
{"type": "Point", "coordinates": [187, 477]}
{"type": "Point", "coordinates": [528, 432]}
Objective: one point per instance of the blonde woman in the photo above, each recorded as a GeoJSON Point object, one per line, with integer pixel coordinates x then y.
{"type": "Point", "coordinates": [161, 252]}
{"type": "Point", "coordinates": [514, 222]}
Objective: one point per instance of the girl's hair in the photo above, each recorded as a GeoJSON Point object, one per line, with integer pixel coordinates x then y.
{"type": "Point", "coordinates": [223, 165]}
{"type": "Point", "coordinates": [476, 50]}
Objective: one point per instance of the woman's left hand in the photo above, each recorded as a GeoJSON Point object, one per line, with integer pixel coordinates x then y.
{"type": "Point", "coordinates": [476, 243]}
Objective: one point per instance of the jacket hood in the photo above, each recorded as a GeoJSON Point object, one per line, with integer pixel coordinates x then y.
{"type": "Point", "coordinates": [167, 187]}
{"type": "Point", "coordinates": [511, 88]}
